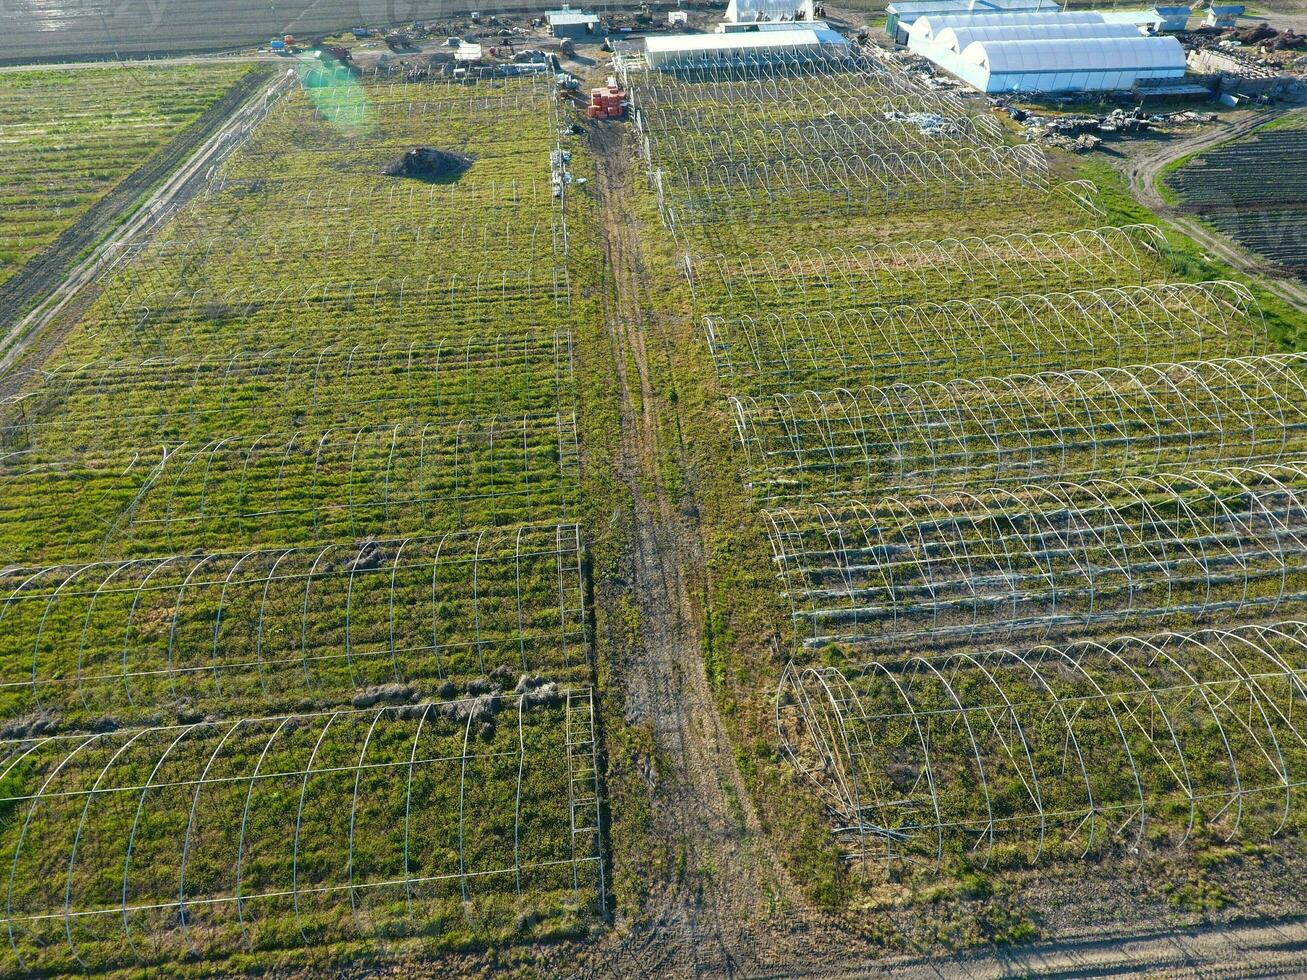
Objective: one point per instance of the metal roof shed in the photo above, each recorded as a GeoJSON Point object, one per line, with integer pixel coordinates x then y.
{"type": "Point", "coordinates": [573, 24]}
{"type": "Point", "coordinates": [1224, 14]}
{"type": "Point", "coordinates": [1172, 18]}
{"type": "Point", "coordinates": [742, 48]}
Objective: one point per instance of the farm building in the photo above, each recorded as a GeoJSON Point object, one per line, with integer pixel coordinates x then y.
{"type": "Point", "coordinates": [1085, 64]}
{"type": "Point", "coordinates": [1152, 20]}
{"type": "Point", "coordinates": [750, 47]}
{"type": "Point", "coordinates": [1171, 19]}
{"type": "Point", "coordinates": [901, 15]}
{"type": "Point", "coordinates": [1223, 15]}
{"type": "Point", "coordinates": [757, 11]}
{"type": "Point", "coordinates": [785, 25]}
{"type": "Point", "coordinates": [955, 39]}
{"type": "Point", "coordinates": [574, 24]}
{"type": "Point", "coordinates": [924, 29]}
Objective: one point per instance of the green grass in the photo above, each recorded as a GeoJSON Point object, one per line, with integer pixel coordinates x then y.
{"type": "Point", "coordinates": [769, 260]}
{"type": "Point", "coordinates": [323, 431]}
{"type": "Point", "coordinates": [69, 137]}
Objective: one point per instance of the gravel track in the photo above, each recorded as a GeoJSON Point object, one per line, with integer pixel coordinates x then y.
{"type": "Point", "coordinates": [1143, 170]}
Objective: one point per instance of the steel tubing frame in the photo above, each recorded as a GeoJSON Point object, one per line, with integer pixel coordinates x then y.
{"type": "Point", "coordinates": [1035, 749]}
{"type": "Point", "coordinates": [373, 820]}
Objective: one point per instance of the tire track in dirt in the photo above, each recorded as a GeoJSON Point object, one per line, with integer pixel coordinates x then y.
{"type": "Point", "coordinates": [1143, 170]}
{"type": "Point", "coordinates": [40, 277]}
{"type": "Point", "coordinates": [704, 920]}
{"type": "Point", "coordinates": [726, 908]}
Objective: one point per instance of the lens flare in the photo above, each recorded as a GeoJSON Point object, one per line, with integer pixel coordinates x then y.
{"type": "Point", "coordinates": [335, 92]}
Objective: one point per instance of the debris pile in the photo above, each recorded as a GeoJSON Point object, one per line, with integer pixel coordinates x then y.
{"type": "Point", "coordinates": [429, 163]}
{"type": "Point", "coordinates": [1083, 133]}
{"type": "Point", "coordinates": [927, 123]}
{"type": "Point", "coordinates": [1265, 36]}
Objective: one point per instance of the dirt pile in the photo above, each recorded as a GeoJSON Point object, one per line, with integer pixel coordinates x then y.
{"type": "Point", "coordinates": [1264, 35]}
{"type": "Point", "coordinates": [428, 163]}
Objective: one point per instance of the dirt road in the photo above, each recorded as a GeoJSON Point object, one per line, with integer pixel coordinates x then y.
{"type": "Point", "coordinates": [726, 908]}
{"type": "Point", "coordinates": [704, 921]}
{"type": "Point", "coordinates": [1143, 169]}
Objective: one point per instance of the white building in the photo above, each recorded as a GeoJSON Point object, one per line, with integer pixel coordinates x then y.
{"type": "Point", "coordinates": [755, 11]}
{"type": "Point", "coordinates": [925, 28]}
{"type": "Point", "coordinates": [750, 47]}
{"type": "Point", "coordinates": [902, 14]}
{"type": "Point", "coordinates": [1087, 64]}
{"type": "Point", "coordinates": [956, 39]}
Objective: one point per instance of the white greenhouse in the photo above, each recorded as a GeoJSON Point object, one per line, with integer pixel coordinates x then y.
{"type": "Point", "coordinates": [926, 27]}
{"type": "Point", "coordinates": [902, 14]}
{"type": "Point", "coordinates": [1087, 64]}
{"type": "Point", "coordinates": [693, 50]}
{"type": "Point", "coordinates": [956, 39]}
{"type": "Point", "coordinates": [755, 11]}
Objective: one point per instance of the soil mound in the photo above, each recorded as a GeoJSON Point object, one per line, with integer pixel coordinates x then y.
{"type": "Point", "coordinates": [428, 163]}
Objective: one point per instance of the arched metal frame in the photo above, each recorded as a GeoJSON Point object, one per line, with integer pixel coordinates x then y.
{"type": "Point", "coordinates": [1077, 748]}
{"type": "Point", "coordinates": [206, 838]}
{"type": "Point", "coordinates": [885, 272]}
{"type": "Point", "coordinates": [803, 135]}
{"type": "Point", "coordinates": [275, 622]}
{"type": "Point", "coordinates": [191, 253]}
{"type": "Point", "coordinates": [952, 565]}
{"type": "Point", "coordinates": [406, 813]}
{"type": "Point", "coordinates": [759, 355]}
{"type": "Point", "coordinates": [346, 480]}
{"type": "Point", "coordinates": [98, 403]}
{"type": "Point", "coordinates": [175, 319]}
{"type": "Point", "coordinates": [1107, 422]}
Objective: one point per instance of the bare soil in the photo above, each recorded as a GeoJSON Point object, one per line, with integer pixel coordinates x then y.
{"type": "Point", "coordinates": [705, 919]}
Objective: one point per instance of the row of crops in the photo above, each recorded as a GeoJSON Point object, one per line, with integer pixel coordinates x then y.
{"type": "Point", "coordinates": [292, 597]}
{"type": "Point", "coordinates": [972, 413]}
{"type": "Point", "coordinates": [68, 137]}
{"type": "Point", "coordinates": [1268, 214]}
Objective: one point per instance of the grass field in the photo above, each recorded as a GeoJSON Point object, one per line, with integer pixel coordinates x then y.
{"type": "Point", "coordinates": [966, 412]}
{"type": "Point", "coordinates": [418, 574]}
{"type": "Point", "coordinates": [69, 137]}
{"type": "Point", "coordinates": [313, 449]}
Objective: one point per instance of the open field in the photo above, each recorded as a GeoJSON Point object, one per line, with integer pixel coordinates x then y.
{"type": "Point", "coordinates": [825, 536]}
{"type": "Point", "coordinates": [1267, 216]}
{"type": "Point", "coordinates": [69, 137]}
{"type": "Point", "coordinates": [345, 477]}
